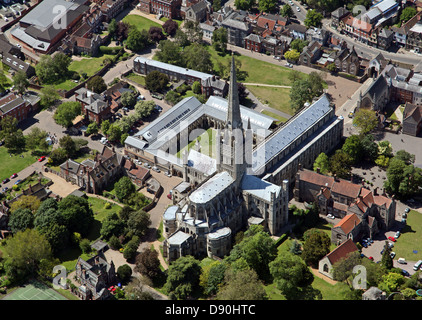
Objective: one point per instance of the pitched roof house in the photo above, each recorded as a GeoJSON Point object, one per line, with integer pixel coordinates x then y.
{"type": "Point", "coordinates": [311, 53]}
{"type": "Point", "coordinates": [412, 119]}
{"type": "Point", "coordinates": [325, 265]}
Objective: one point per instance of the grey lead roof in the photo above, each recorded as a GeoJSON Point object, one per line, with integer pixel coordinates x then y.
{"type": "Point", "coordinates": [211, 188]}
{"type": "Point", "coordinates": [294, 128]}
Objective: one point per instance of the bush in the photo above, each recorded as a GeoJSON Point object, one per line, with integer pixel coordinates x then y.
{"type": "Point", "coordinates": [114, 243]}
{"type": "Point", "coordinates": [130, 250]}
{"type": "Point", "coordinates": [107, 205]}
{"type": "Point", "coordinates": [110, 50]}
{"type": "Point", "coordinates": [124, 272]}
{"type": "Point", "coordinates": [85, 245]}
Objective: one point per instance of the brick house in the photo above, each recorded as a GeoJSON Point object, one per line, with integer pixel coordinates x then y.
{"type": "Point", "coordinates": [15, 107]}
{"type": "Point", "coordinates": [166, 8]}
{"type": "Point", "coordinates": [311, 53]}
{"type": "Point", "coordinates": [95, 107]}
{"type": "Point", "coordinates": [347, 60]}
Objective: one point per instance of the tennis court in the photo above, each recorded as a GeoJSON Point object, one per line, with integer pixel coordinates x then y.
{"type": "Point", "coordinates": [34, 291]}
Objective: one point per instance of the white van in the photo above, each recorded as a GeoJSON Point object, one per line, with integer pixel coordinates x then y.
{"type": "Point", "coordinates": [401, 260]}
{"type": "Point", "coordinates": [417, 265]}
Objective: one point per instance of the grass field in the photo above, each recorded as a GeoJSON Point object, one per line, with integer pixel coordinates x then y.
{"type": "Point", "coordinates": [276, 98]}
{"type": "Point", "coordinates": [34, 291]}
{"type": "Point", "coordinates": [136, 78]}
{"type": "Point", "coordinates": [15, 163]}
{"type": "Point", "coordinates": [206, 140]}
{"type": "Point", "coordinates": [410, 238]}
{"type": "Point", "coordinates": [140, 22]}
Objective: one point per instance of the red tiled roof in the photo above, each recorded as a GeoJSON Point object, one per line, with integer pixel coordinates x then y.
{"type": "Point", "coordinates": [316, 178]}
{"type": "Point", "coordinates": [346, 188]}
{"type": "Point", "coordinates": [342, 251]}
{"type": "Point", "coordinates": [348, 223]}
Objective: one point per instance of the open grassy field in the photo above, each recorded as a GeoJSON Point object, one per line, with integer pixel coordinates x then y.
{"type": "Point", "coordinates": [140, 22]}
{"type": "Point", "coordinates": [15, 163]}
{"type": "Point", "coordinates": [206, 141]}
{"type": "Point", "coordinates": [276, 98]}
{"type": "Point", "coordinates": [89, 65]}
{"type": "Point", "coordinates": [410, 238]}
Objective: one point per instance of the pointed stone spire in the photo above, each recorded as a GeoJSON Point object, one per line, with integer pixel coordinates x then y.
{"type": "Point", "coordinates": [234, 120]}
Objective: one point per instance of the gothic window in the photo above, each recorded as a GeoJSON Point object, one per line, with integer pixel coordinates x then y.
{"type": "Point", "coordinates": [325, 268]}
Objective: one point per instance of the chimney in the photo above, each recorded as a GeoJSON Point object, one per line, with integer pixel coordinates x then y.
{"type": "Point", "coordinates": [376, 191]}
{"type": "Point", "coordinates": [318, 170]}
{"type": "Point", "coordinates": [335, 177]}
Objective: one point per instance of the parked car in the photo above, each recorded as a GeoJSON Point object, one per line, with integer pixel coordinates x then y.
{"type": "Point", "coordinates": [119, 114]}
{"type": "Point", "coordinates": [392, 239]}
{"type": "Point", "coordinates": [405, 273]}
{"type": "Point", "coordinates": [371, 258]}
{"type": "Point", "coordinates": [6, 180]}
{"type": "Point", "coordinates": [156, 169]}
{"type": "Point", "coordinates": [158, 108]}
{"type": "Point", "coordinates": [168, 174]}
{"type": "Point", "coordinates": [13, 176]}
{"type": "Point", "coordinates": [392, 255]}
{"type": "Point", "coordinates": [41, 159]}
{"type": "Point", "coordinates": [330, 216]}
{"type": "Point", "coordinates": [169, 196]}
{"type": "Point", "coordinates": [146, 164]}
{"type": "Point", "coordinates": [18, 181]}
{"type": "Point", "coordinates": [402, 261]}
{"type": "Point", "coordinates": [288, 65]}
{"type": "Point", "coordinates": [297, 9]}
{"type": "Point", "coordinates": [417, 265]}
{"type": "Point", "coordinates": [397, 234]}
{"type": "Point", "coordinates": [351, 114]}
{"type": "Point", "coordinates": [406, 210]}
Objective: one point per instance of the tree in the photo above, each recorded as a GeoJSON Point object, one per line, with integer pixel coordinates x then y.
{"type": "Point", "coordinates": [394, 175]}
{"type": "Point", "coordinates": [332, 67]}
{"type": "Point", "coordinates": [57, 156]}
{"type": "Point", "coordinates": [292, 55]}
{"type": "Point", "coordinates": [148, 264]}
{"type": "Point", "coordinates": [298, 44]}
{"type": "Point", "coordinates": [57, 236]}
{"type": "Point", "coordinates": [212, 277]}
{"type": "Point", "coordinates": [366, 120]}
{"type": "Point", "coordinates": [323, 163]}
{"type": "Point", "coordinates": [67, 112]}
{"type": "Point", "coordinates": [169, 52]}
{"type": "Point", "coordinates": [193, 32]}
{"type": "Point", "coordinates": [405, 156]}
{"type": "Point", "coordinates": [241, 285]}
{"type": "Point", "coordinates": [293, 277]}
{"type": "Point", "coordinates": [3, 80]}
{"type": "Point", "coordinates": [13, 137]}
{"type": "Point", "coordinates": [412, 181]}
{"type": "Point", "coordinates": [128, 99]}
{"type": "Point", "coordinates": [219, 40]}
{"type": "Point", "coordinates": [340, 164]}
{"type": "Point", "coordinates": [114, 133]}
{"type": "Point", "coordinates": [21, 219]}
{"type": "Point", "coordinates": [183, 277]}
{"type": "Point", "coordinates": [105, 125]}
{"type": "Point", "coordinates": [391, 282]}
{"type": "Point", "coordinates": [68, 145]}
{"type": "Point", "coordinates": [20, 81]}
{"type": "Point", "coordinates": [181, 39]}
{"type": "Point", "coordinates": [124, 273]}
{"type": "Point", "coordinates": [313, 19]}
{"type": "Point", "coordinates": [48, 96]}
{"type": "Point", "coordinates": [45, 70]}
{"type": "Point", "coordinates": [353, 148]}
{"type": "Point", "coordinates": [369, 147]}
{"type": "Point", "coordinates": [112, 28]}
{"type": "Point", "coordinates": [267, 5]}
{"type": "Point", "coordinates": [170, 27]}
{"type": "Point", "coordinates": [96, 84]}
{"type": "Point", "coordinates": [124, 188]}
{"type": "Point", "coordinates": [122, 31]}
{"type": "Point", "coordinates": [257, 249]}
{"type": "Point", "coordinates": [156, 34]}
{"type": "Point", "coordinates": [286, 11]}
{"type": "Point", "coordinates": [216, 5]}
{"type": "Point", "coordinates": [386, 259]}
{"type": "Point", "coordinates": [343, 268]}
{"type": "Point", "coordinates": [300, 93]}
{"type": "Point", "coordinates": [406, 14]}
{"type": "Point", "coordinates": [315, 248]}
{"type": "Point", "coordinates": [92, 128]}
{"type": "Point", "coordinates": [112, 225]}
{"type": "Point", "coordinates": [244, 4]}
{"type": "Point", "coordinates": [198, 58]}
{"type": "Point", "coordinates": [138, 223]}
{"type": "Point", "coordinates": [25, 250]}
{"type": "Point", "coordinates": [32, 203]}
{"type": "Point", "coordinates": [196, 87]}
{"type": "Point", "coordinates": [316, 83]}
{"type": "Point", "coordinates": [156, 81]}
{"type": "Point", "coordinates": [129, 251]}
{"type": "Point", "coordinates": [137, 40]}
{"type": "Point", "coordinates": [76, 213]}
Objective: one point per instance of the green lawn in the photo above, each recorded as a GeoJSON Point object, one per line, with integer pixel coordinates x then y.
{"type": "Point", "coordinates": [276, 98]}
{"type": "Point", "coordinates": [136, 78]}
{"type": "Point", "coordinates": [15, 163]}
{"type": "Point", "coordinates": [206, 140]}
{"type": "Point", "coordinates": [410, 239]}
{"type": "Point", "coordinates": [140, 22]}
{"type": "Point", "coordinates": [100, 211]}
{"type": "Point", "coordinates": [89, 65]}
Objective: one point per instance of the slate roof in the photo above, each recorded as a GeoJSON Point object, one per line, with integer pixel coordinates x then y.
{"type": "Point", "coordinates": [211, 188]}
{"type": "Point", "coordinates": [259, 188]}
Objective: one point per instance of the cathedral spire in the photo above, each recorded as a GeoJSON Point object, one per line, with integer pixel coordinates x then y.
{"type": "Point", "coordinates": [234, 120]}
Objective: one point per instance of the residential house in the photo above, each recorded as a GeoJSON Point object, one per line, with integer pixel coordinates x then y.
{"type": "Point", "coordinates": [139, 174]}
{"type": "Point", "coordinates": [297, 31]}
{"type": "Point", "coordinates": [337, 15]}
{"type": "Point", "coordinates": [95, 107]}
{"type": "Point", "coordinates": [15, 107]}
{"type": "Point", "coordinates": [111, 8]}
{"type": "Point", "coordinates": [13, 57]}
{"type": "Point", "coordinates": [197, 12]}
{"type": "Point", "coordinates": [319, 35]}
{"type": "Point", "coordinates": [144, 6]}
{"type": "Point", "coordinates": [207, 29]}
{"type": "Point", "coordinates": [385, 38]}
{"type": "Point", "coordinates": [94, 175]}
{"type": "Point", "coordinates": [341, 198]}
{"type": "Point", "coordinates": [237, 28]}
{"type": "Point", "coordinates": [95, 276]}
{"type": "Point", "coordinates": [358, 29]}
{"type": "Point", "coordinates": [166, 8]}
{"type": "Point", "coordinates": [253, 42]}
{"type": "Point", "coordinates": [347, 60]}
{"type": "Point", "coordinates": [400, 33]}
{"type": "Point", "coordinates": [325, 265]}
{"type": "Point", "coordinates": [414, 38]}
{"type": "Point", "coordinates": [311, 53]}
{"type": "Point", "coordinates": [350, 227]}
{"type": "Point", "coordinates": [412, 119]}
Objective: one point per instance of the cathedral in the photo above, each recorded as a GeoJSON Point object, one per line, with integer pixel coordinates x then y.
{"type": "Point", "coordinates": [227, 199]}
